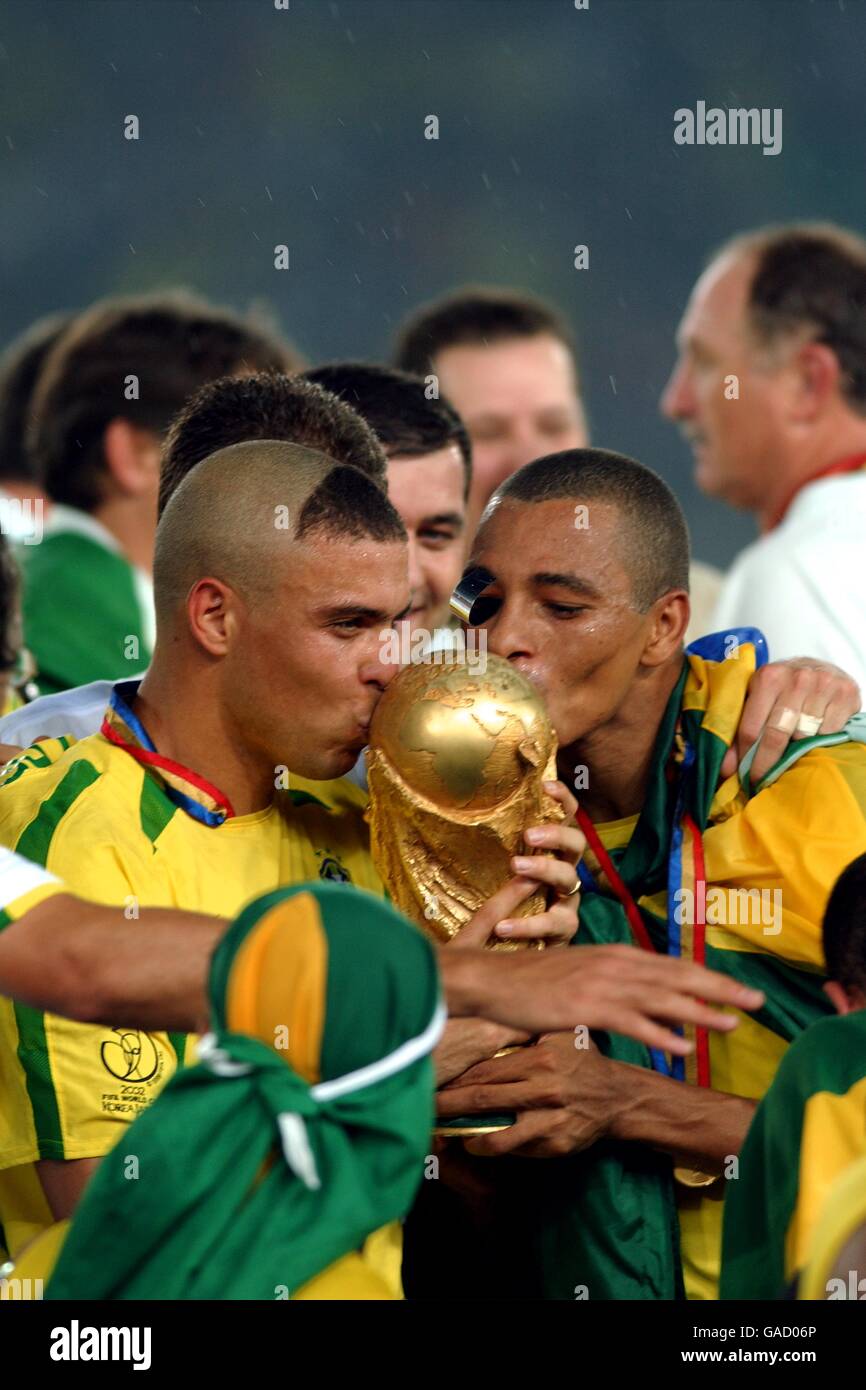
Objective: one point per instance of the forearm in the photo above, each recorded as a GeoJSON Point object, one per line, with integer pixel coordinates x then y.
{"type": "Point", "coordinates": [467, 1041]}
{"type": "Point", "coordinates": [686, 1121]}
{"type": "Point", "coordinates": [168, 991]}
{"type": "Point", "coordinates": [91, 964]}
{"type": "Point", "coordinates": [63, 1183]}
{"type": "Point", "coordinates": [466, 980]}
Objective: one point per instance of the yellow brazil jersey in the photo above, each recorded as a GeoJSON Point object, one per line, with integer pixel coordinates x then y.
{"type": "Point", "coordinates": [837, 1253]}
{"type": "Point", "coordinates": [23, 886]}
{"type": "Point", "coordinates": [771, 862]}
{"type": "Point", "coordinates": [94, 817]}
{"type": "Point", "coordinates": [808, 1131]}
{"type": "Point", "coordinates": [353, 1278]}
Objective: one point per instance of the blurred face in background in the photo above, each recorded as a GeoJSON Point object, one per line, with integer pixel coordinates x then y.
{"type": "Point", "coordinates": [737, 441]}
{"type": "Point", "coordinates": [519, 400]}
{"type": "Point", "coordinates": [428, 493]}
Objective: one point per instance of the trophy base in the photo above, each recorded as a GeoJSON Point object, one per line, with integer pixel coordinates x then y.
{"type": "Point", "coordinates": [467, 1126]}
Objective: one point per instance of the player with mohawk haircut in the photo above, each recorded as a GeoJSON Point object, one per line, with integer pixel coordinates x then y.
{"type": "Point", "coordinates": [276, 569]}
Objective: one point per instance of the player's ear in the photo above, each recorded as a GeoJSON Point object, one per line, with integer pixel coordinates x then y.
{"type": "Point", "coordinates": [132, 457]}
{"type": "Point", "coordinates": [817, 378]}
{"type": "Point", "coordinates": [838, 997]}
{"type": "Point", "coordinates": [212, 610]}
{"type": "Point", "coordinates": [669, 618]}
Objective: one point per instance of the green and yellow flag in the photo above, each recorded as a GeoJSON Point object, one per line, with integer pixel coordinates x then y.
{"type": "Point", "coordinates": [302, 1130]}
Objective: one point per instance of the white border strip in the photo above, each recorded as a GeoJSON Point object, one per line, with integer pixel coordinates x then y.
{"type": "Point", "coordinates": [18, 876]}
{"type": "Point", "coordinates": [403, 1056]}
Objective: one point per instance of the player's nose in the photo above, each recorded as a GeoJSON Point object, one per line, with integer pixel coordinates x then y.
{"type": "Point", "coordinates": [507, 634]}
{"type": "Point", "coordinates": [677, 401]}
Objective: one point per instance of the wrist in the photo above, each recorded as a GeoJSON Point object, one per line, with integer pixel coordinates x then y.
{"type": "Point", "coordinates": [462, 974]}
{"type": "Point", "coordinates": [624, 1087]}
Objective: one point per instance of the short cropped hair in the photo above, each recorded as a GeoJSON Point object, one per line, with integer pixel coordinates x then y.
{"type": "Point", "coordinates": [267, 405]}
{"type": "Point", "coordinates": [136, 359]}
{"type": "Point", "coordinates": [812, 277]}
{"type": "Point", "coordinates": [656, 539]}
{"type": "Point", "coordinates": [476, 315]}
{"type": "Point", "coordinates": [20, 366]}
{"type": "Point", "coordinates": [222, 516]}
{"type": "Point", "coordinates": [396, 407]}
{"type": "Point", "coordinates": [844, 928]}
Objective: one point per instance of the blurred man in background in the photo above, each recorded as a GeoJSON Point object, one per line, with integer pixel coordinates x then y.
{"type": "Point", "coordinates": [23, 505]}
{"type": "Point", "coordinates": [106, 394]}
{"type": "Point", "coordinates": [770, 389]}
{"type": "Point", "coordinates": [429, 475]}
{"type": "Point", "coordinates": [11, 672]}
{"type": "Point", "coordinates": [508, 363]}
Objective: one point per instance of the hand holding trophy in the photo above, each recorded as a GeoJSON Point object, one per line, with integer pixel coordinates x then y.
{"type": "Point", "coordinates": [456, 769]}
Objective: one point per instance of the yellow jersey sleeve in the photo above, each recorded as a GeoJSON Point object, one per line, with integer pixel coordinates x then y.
{"type": "Point", "coordinates": [39, 755]}
{"type": "Point", "coordinates": [833, 1138]}
{"type": "Point", "coordinates": [773, 865]}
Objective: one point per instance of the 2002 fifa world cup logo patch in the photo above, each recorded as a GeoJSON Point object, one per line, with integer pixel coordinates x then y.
{"type": "Point", "coordinates": [131, 1056]}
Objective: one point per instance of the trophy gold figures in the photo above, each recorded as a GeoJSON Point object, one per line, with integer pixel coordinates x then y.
{"type": "Point", "coordinates": [456, 766]}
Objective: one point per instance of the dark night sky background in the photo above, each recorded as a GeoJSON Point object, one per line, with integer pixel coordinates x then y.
{"type": "Point", "coordinates": [305, 127]}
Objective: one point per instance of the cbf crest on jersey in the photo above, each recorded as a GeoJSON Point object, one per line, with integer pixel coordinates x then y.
{"type": "Point", "coordinates": [331, 868]}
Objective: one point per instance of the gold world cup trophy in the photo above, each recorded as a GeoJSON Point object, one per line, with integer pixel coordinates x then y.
{"type": "Point", "coordinates": [455, 766]}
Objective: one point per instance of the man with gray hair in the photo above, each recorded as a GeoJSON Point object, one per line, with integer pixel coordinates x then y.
{"type": "Point", "coordinates": [770, 389]}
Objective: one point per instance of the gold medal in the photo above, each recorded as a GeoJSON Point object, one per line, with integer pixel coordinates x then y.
{"type": "Point", "coordinates": [695, 1177]}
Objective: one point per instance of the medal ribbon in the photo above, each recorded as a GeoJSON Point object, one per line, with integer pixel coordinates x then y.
{"type": "Point", "coordinates": [632, 911]}
{"type": "Point", "coordinates": [699, 953]}
{"type": "Point", "coordinates": [846, 465]}
{"type": "Point", "coordinates": [192, 793]}
{"type": "Point", "coordinates": [685, 872]}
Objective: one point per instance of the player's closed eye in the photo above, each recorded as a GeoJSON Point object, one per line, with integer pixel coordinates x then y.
{"type": "Point", "coordinates": [565, 610]}
{"type": "Point", "coordinates": [348, 626]}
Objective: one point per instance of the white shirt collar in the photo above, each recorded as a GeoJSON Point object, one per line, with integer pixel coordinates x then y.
{"type": "Point", "coordinates": [71, 519]}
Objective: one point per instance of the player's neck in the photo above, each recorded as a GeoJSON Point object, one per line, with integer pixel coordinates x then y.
{"type": "Point", "coordinates": [188, 723]}
{"type": "Point", "coordinates": [609, 768]}
{"type": "Point", "coordinates": [132, 523]}
{"type": "Point", "coordinates": [842, 437]}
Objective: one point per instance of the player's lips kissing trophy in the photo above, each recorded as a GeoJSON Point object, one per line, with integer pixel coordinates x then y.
{"type": "Point", "coordinates": [455, 767]}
